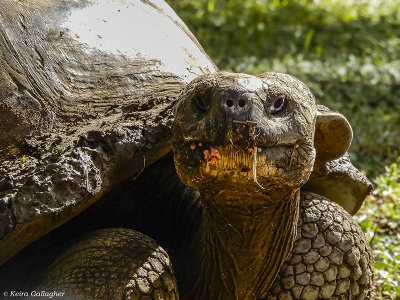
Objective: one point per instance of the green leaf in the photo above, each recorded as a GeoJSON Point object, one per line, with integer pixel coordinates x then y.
{"type": "Point", "coordinates": [308, 39]}
{"type": "Point", "coordinates": [211, 5]}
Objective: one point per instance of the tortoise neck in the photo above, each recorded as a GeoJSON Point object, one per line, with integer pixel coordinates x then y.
{"type": "Point", "coordinates": [244, 245]}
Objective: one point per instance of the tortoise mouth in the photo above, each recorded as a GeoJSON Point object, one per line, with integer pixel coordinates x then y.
{"type": "Point", "coordinates": [232, 162]}
{"type": "Point", "coordinates": [229, 157]}
{"type": "Point", "coordinates": [201, 164]}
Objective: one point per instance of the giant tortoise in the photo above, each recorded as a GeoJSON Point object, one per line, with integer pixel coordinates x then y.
{"type": "Point", "coordinates": [132, 168]}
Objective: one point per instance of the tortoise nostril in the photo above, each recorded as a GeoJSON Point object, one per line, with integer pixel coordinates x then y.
{"type": "Point", "coordinates": [229, 103]}
{"type": "Point", "coordinates": [242, 103]}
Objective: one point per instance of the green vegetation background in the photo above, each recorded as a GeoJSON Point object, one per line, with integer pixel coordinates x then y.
{"type": "Point", "coordinates": [348, 53]}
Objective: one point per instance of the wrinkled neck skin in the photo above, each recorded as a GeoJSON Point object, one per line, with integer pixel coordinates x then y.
{"type": "Point", "coordinates": [244, 240]}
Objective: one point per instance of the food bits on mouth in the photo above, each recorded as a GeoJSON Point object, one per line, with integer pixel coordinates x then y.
{"type": "Point", "coordinates": [251, 150]}
{"type": "Point", "coordinates": [206, 154]}
{"type": "Point", "coordinates": [215, 153]}
{"type": "Point", "coordinates": [212, 156]}
{"type": "Point", "coordinates": [213, 161]}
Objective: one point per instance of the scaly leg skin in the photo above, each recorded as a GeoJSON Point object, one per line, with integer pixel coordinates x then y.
{"type": "Point", "coordinates": [113, 263]}
{"type": "Point", "coordinates": [331, 258]}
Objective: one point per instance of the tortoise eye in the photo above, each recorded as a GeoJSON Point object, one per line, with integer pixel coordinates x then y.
{"type": "Point", "coordinates": [278, 105]}
{"type": "Point", "coordinates": [200, 102]}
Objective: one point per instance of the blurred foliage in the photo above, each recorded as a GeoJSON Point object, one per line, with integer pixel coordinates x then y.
{"type": "Point", "coordinates": [347, 52]}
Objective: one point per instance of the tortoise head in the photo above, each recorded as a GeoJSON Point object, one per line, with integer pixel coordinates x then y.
{"type": "Point", "coordinates": [248, 133]}
{"type": "Point", "coordinates": [248, 143]}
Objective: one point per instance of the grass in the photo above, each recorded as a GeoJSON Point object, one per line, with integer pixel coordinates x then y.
{"type": "Point", "coordinates": [380, 219]}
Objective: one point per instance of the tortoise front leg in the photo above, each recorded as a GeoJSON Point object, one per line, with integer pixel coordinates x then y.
{"type": "Point", "coordinates": [331, 258]}
{"type": "Point", "coordinates": [113, 264]}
